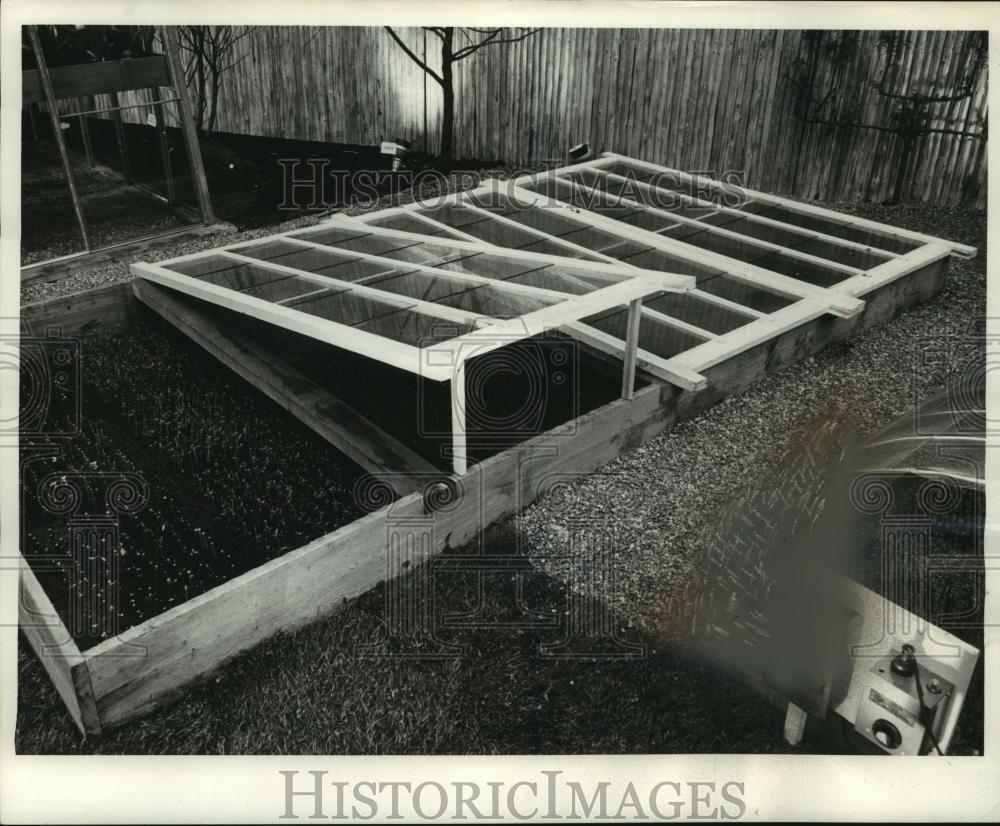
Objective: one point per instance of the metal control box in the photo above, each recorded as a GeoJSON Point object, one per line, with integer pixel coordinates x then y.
{"type": "Point", "coordinates": [896, 715]}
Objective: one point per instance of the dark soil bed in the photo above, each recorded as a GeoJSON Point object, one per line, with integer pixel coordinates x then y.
{"type": "Point", "coordinates": [232, 480]}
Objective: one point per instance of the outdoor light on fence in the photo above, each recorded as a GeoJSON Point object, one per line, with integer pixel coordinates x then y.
{"type": "Point", "coordinates": [580, 152]}
{"type": "Point", "coordinates": [396, 149]}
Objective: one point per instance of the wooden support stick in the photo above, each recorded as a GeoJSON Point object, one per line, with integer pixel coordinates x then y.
{"type": "Point", "coordinates": [116, 116]}
{"type": "Point", "coordinates": [459, 441]}
{"type": "Point", "coordinates": [631, 344]}
{"type": "Point", "coordinates": [171, 50]}
{"type": "Point", "coordinates": [88, 147]}
{"type": "Point", "coordinates": [161, 139]}
{"type": "Point", "coordinates": [32, 112]}
{"type": "Point", "coordinates": [57, 135]}
{"type": "Point", "coordinates": [795, 724]}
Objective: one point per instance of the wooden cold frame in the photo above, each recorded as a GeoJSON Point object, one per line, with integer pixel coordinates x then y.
{"type": "Point", "coordinates": [740, 270]}
{"type": "Point", "coordinates": [839, 303]}
{"type": "Point", "coordinates": [812, 301]}
{"type": "Point", "coordinates": [151, 664]}
{"type": "Point", "coordinates": [843, 298]}
{"type": "Point", "coordinates": [143, 668]}
{"type": "Point", "coordinates": [649, 363]}
{"type": "Point", "coordinates": [443, 360]}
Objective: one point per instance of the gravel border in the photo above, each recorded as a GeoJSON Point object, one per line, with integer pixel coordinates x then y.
{"type": "Point", "coordinates": [657, 503]}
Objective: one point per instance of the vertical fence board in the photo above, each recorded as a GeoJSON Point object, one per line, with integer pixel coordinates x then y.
{"type": "Point", "coordinates": [705, 100]}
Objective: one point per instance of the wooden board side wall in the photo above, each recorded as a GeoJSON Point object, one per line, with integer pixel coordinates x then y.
{"type": "Point", "coordinates": [39, 621]}
{"type": "Point", "coordinates": [100, 311]}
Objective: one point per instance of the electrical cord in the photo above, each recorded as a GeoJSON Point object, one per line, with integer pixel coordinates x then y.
{"type": "Point", "coordinates": [923, 707]}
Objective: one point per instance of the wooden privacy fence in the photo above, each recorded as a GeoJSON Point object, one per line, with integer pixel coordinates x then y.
{"type": "Point", "coordinates": [708, 100]}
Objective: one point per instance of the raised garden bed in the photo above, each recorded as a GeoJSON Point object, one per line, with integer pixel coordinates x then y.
{"type": "Point", "coordinates": [146, 665]}
{"type": "Point", "coordinates": [229, 480]}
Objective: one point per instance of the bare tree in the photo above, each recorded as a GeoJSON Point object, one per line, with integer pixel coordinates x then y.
{"type": "Point", "coordinates": [914, 113]}
{"type": "Point", "coordinates": [452, 52]}
{"type": "Point", "coordinates": [210, 54]}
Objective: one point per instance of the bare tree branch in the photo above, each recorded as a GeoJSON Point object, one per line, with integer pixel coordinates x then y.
{"type": "Point", "coordinates": [965, 134]}
{"type": "Point", "coordinates": [912, 111]}
{"type": "Point", "coordinates": [317, 33]}
{"type": "Point", "coordinates": [847, 124]}
{"type": "Point", "coordinates": [492, 40]}
{"type": "Point", "coordinates": [467, 50]}
{"type": "Point", "coordinates": [449, 56]}
{"type": "Point", "coordinates": [412, 56]}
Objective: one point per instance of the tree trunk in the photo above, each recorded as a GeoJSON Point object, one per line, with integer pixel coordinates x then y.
{"type": "Point", "coordinates": [448, 110]}
{"type": "Point", "coordinates": [215, 101]}
{"type": "Point", "coordinates": [199, 115]}
{"type": "Point", "coordinates": [904, 162]}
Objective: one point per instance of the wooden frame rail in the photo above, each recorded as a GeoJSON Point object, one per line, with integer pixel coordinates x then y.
{"type": "Point", "coordinates": [441, 360]}
{"type": "Point", "coordinates": [649, 363]}
{"type": "Point", "coordinates": [959, 250]}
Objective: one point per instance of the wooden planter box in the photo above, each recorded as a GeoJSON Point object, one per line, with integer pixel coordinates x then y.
{"type": "Point", "coordinates": [146, 666]}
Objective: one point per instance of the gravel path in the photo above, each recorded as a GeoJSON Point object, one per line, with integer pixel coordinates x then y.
{"type": "Point", "coordinates": [657, 503]}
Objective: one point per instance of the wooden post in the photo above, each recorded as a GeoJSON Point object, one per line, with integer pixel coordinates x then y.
{"type": "Point", "coordinates": [171, 50]}
{"type": "Point", "coordinates": [32, 111]}
{"type": "Point", "coordinates": [57, 135]}
{"type": "Point", "coordinates": [631, 345]}
{"type": "Point", "coordinates": [88, 149]}
{"type": "Point", "coordinates": [164, 144]}
{"type": "Point", "coordinates": [120, 137]}
{"type": "Point", "coordinates": [459, 442]}
{"type": "Point", "coordinates": [58, 654]}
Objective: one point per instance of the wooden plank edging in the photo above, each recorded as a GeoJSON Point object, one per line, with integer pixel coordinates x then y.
{"type": "Point", "coordinates": [59, 656]}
